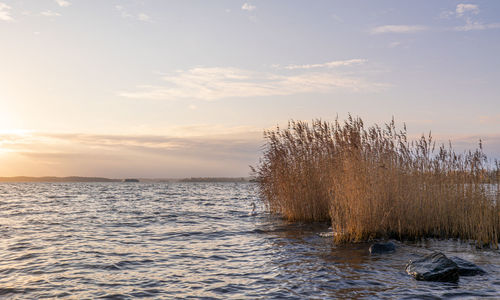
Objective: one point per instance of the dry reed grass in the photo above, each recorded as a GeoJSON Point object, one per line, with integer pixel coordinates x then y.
{"type": "Point", "coordinates": [371, 182]}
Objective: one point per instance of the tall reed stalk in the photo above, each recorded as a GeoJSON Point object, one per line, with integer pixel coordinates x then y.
{"type": "Point", "coordinates": [372, 182]}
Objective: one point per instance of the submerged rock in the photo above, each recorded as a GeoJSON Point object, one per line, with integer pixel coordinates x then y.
{"type": "Point", "coordinates": [434, 267]}
{"type": "Point", "coordinates": [380, 248]}
{"type": "Point", "coordinates": [466, 268]}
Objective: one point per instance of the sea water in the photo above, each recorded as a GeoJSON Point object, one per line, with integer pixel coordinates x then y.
{"type": "Point", "coordinates": [197, 240]}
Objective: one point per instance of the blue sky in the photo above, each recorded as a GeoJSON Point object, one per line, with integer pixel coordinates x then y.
{"type": "Point", "coordinates": [185, 88]}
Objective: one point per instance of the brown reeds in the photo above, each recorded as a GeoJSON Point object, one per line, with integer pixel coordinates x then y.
{"type": "Point", "coordinates": [371, 182]}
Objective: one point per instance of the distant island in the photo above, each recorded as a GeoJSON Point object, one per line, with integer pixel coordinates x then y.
{"type": "Point", "coordinates": [131, 180]}
{"type": "Point", "coordinates": [103, 179]}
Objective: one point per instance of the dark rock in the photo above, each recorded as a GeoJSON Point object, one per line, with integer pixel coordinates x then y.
{"type": "Point", "coordinates": [434, 267]}
{"type": "Point", "coordinates": [466, 268]}
{"type": "Point", "coordinates": [379, 248]}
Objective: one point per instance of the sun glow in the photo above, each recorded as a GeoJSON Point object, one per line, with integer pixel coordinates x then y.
{"type": "Point", "coordinates": [10, 137]}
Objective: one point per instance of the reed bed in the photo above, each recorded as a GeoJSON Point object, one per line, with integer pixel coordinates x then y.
{"type": "Point", "coordinates": [372, 182]}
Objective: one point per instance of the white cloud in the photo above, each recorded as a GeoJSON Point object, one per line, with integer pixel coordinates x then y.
{"type": "Point", "coordinates": [463, 8]}
{"type": "Point", "coordinates": [219, 83]}
{"type": "Point", "coordinates": [143, 17]}
{"type": "Point", "coordinates": [398, 29]}
{"type": "Point", "coordinates": [49, 13]}
{"type": "Point", "coordinates": [468, 13]}
{"type": "Point", "coordinates": [5, 12]}
{"type": "Point", "coordinates": [63, 3]}
{"type": "Point", "coordinates": [332, 64]}
{"type": "Point", "coordinates": [248, 7]}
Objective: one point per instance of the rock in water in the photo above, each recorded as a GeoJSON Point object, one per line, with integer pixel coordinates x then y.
{"type": "Point", "coordinates": [326, 234]}
{"type": "Point", "coordinates": [379, 248]}
{"type": "Point", "coordinates": [433, 267]}
{"type": "Point", "coordinates": [466, 268]}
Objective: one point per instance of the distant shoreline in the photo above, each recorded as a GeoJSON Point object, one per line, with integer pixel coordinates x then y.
{"type": "Point", "coordinates": [57, 179]}
{"type": "Point", "coordinates": [54, 179]}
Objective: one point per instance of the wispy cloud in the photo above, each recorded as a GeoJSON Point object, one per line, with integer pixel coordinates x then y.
{"type": "Point", "coordinates": [143, 17]}
{"type": "Point", "coordinates": [5, 12]}
{"type": "Point", "coordinates": [218, 83]}
{"type": "Point", "coordinates": [394, 44]}
{"type": "Point", "coordinates": [398, 29]}
{"type": "Point", "coordinates": [331, 64]}
{"type": "Point", "coordinates": [477, 26]}
{"type": "Point", "coordinates": [464, 8]}
{"type": "Point", "coordinates": [468, 13]}
{"type": "Point", "coordinates": [490, 119]}
{"type": "Point", "coordinates": [119, 155]}
{"type": "Point", "coordinates": [63, 3]}
{"type": "Point", "coordinates": [49, 13]}
{"type": "Point", "coordinates": [337, 18]}
{"type": "Point", "coordinates": [126, 14]}
{"type": "Point", "coordinates": [122, 11]}
{"type": "Point", "coordinates": [248, 6]}
{"type": "Point", "coordinates": [446, 14]}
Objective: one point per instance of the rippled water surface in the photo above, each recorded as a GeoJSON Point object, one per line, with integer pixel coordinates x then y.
{"type": "Point", "coordinates": [189, 240]}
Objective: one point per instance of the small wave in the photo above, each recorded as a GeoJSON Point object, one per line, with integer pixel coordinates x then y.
{"type": "Point", "coordinates": [26, 256]}
{"type": "Point", "coordinates": [20, 246]}
{"type": "Point", "coordinates": [217, 257]}
{"type": "Point", "coordinates": [114, 296]}
{"type": "Point", "coordinates": [6, 291]}
{"type": "Point", "coordinates": [8, 271]}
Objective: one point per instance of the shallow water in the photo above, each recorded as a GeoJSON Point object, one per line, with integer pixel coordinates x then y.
{"type": "Point", "coordinates": [190, 240]}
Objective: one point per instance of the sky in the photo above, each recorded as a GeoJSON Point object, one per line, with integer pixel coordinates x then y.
{"type": "Point", "coordinates": [166, 89]}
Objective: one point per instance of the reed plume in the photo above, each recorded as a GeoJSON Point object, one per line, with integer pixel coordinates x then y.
{"type": "Point", "coordinates": [372, 182]}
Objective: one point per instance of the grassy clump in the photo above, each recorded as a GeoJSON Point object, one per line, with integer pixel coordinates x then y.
{"type": "Point", "coordinates": [371, 182]}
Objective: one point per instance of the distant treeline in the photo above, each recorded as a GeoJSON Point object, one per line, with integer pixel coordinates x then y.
{"type": "Point", "coordinates": [57, 179]}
